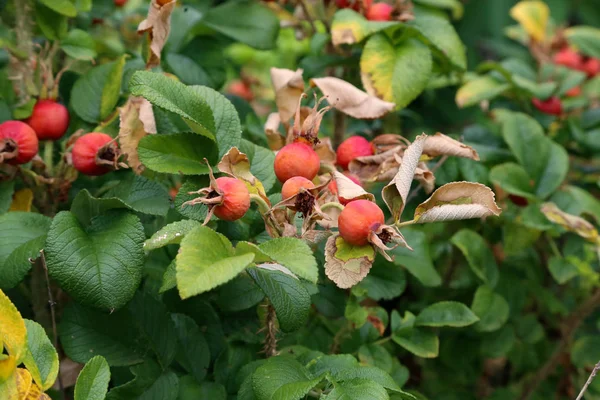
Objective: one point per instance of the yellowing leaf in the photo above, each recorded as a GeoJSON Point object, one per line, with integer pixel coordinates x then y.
{"type": "Point", "coordinates": [349, 27]}
{"type": "Point", "coordinates": [347, 265]}
{"type": "Point", "coordinates": [288, 86]}
{"type": "Point", "coordinates": [458, 200]}
{"type": "Point", "coordinates": [237, 164]}
{"type": "Point", "coordinates": [533, 16]}
{"type": "Point", "coordinates": [275, 140]}
{"type": "Point", "coordinates": [570, 222]}
{"type": "Point", "coordinates": [23, 383]}
{"type": "Point", "coordinates": [479, 89]}
{"type": "Point", "coordinates": [158, 25]}
{"type": "Point", "coordinates": [8, 365]}
{"type": "Point", "coordinates": [350, 100]}
{"type": "Point", "coordinates": [12, 329]}
{"type": "Point", "coordinates": [8, 386]}
{"type": "Point", "coordinates": [22, 200]}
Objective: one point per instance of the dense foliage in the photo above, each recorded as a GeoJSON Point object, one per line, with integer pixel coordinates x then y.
{"type": "Point", "coordinates": [350, 199]}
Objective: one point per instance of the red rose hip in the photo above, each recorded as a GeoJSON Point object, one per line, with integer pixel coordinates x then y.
{"type": "Point", "coordinates": [49, 120]}
{"type": "Point", "coordinates": [18, 142]}
{"type": "Point", "coordinates": [358, 219]}
{"type": "Point", "coordinates": [235, 199]}
{"type": "Point", "coordinates": [296, 159]}
{"type": "Point", "coordinates": [356, 146]}
{"type": "Point", "coordinates": [292, 186]}
{"type": "Point", "coordinates": [569, 58]}
{"type": "Point", "coordinates": [592, 67]}
{"type": "Point", "coordinates": [86, 153]}
{"type": "Point", "coordinates": [380, 12]}
{"type": "Point", "coordinates": [551, 106]}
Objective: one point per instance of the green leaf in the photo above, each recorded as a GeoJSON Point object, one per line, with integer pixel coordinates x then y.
{"type": "Point", "coordinates": [7, 189]}
{"type": "Point", "coordinates": [349, 27]}
{"type": "Point", "coordinates": [175, 97]}
{"type": "Point", "coordinates": [206, 260]}
{"type": "Point", "coordinates": [53, 25]}
{"type": "Point", "coordinates": [187, 70]}
{"type": "Point", "coordinates": [247, 22]}
{"type": "Point", "coordinates": [191, 184]}
{"type": "Point", "coordinates": [479, 89]}
{"type": "Point", "coordinates": [83, 5]}
{"type": "Point", "coordinates": [98, 265]}
{"type": "Point", "coordinates": [418, 261]}
{"type": "Point", "coordinates": [479, 256]}
{"type": "Point", "coordinates": [239, 294]}
{"type": "Point", "coordinates": [156, 326]}
{"type": "Point", "coordinates": [142, 195]}
{"type": "Point", "coordinates": [150, 383]}
{"type": "Point", "coordinates": [557, 167]}
{"type": "Point", "coordinates": [455, 6]}
{"type": "Point", "coordinates": [85, 206]}
{"type": "Point", "coordinates": [79, 45]}
{"type": "Point", "coordinates": [446, 313]}
{"type": "Point", "coordinates": [193, 353]}
{"type": "Point", "coordinates": [420, 342]}
{"type": "Point", "coordinates": [180, 153]}
{"type": "Point", "coordinates": [169, 279]}
{"type": "Point", "coordinates": [96, 93]}
{"type": "Point", "coordinates": [261, 163]}
{"type": "Point", "coordinates": [383, 63]}
{"type": "Point", "coordinates": [357, 389]}
{"type": "Point", "coordinates": [228, 129]}
{"type": "Point", "coordinates": [512, 178]}
{"type": "Point", "coordinates": [562, 270]}
{"type": "Point", "coordinates": [384, 282]}
{"type": "Point", "coordinates": [64, 7]}
{"type": "Point", "coordinates": [491, 308]}
{"type": "Point", "coordinates": [373, 374]}
{"type": "Point", "coordinates": [282, 378]}
{"type": "Point", "coordinates": [586, 351]}
{"type": "Point", "coordinates": [22, 235]}
{"type": "Point", "coordinates": [294, 254]}
{"type": "Point", "coordinates": [85, 332]}
{"type": "Point", "coordinates": [92, 382]}
{"type": "Point", "coordinates": [41, 358]}
{"type": "Point", "coordinates": [287, 294]}
{"type": "Point", "coordinates": [333, 364]}
{"type": "Point", "coordinates": [585, 38]}
{"type": "Point", "coordinates": [442, 36]}
{"type": "Point", "coordinates": [190, 389]}
{"type": "Point", "coordinates": [376, 356]}
{"type": "Point", "coordinates": [172, 233]}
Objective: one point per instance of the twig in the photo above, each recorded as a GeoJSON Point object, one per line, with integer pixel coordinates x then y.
{"type": "Point", "coordinates": [53, 316]}
{"type": "Point", "coordinates": [270, 347]}
{"type": "Point", "coordinates": [589, 380]}
{"type": "Point", "coordinates": [568, 328]}
{"type": "Point", "coordinates": [307, 14]}
{"type": "Point", "coordinates": [339, 127]}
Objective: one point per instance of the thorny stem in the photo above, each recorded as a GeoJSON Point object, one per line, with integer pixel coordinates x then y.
{"type": "Point", "coordinates": [270, 347]}
{"type": "Point", "coordinates": [589, 380]}
{"type": "Point", "coordinates": [48, 156]}
{"type": "Point", "coordinates": [568, 328]}
{"type": "Point", "coordinates": [52, 314]}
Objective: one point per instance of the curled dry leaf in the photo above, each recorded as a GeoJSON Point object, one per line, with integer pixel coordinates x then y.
{"type": "Point", "coordinates": [136, 121]}
{"type": "Point", "coordinates": [348, 190]}
{"type": "Point", "coordinates": [571, 222]}
{"type": "Point", "coordinates": [440, 144]}
{"type": "Point", "coordinates": [350, 100]}
{"type": "Point", "coordinates": [288, 86]}
{"type": "Point", "coordinates": [324, 150]}
{"type": "Point", "coordinates": [388, 141]}
{"type": "Point", "coordinates": [275, 140]}
{"type": "Point", "coordinates": [158, 25]}
{"type": "Point", "coordinates": [236, 164]}
{"type": "Point", "coordinates": [396, 192]}
{"type": "Point", "coordinates": [379, 167]}
{"type": "Point", "coordinates": [458, 200]}
{"type": "Point", "coordinates": [425, 177]}
{"type": "Point", "coordinates": [346, 265]}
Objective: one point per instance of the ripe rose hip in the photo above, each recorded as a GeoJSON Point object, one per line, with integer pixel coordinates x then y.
{"type": "Point", "coordinates": [120, 3]}
{"type": "Point", "coordinates": [49, 120]}
{"type": "Point", "coordinates": [357, 220]}
{"type": "Point", "coordinates": [163, 2]}
{"type": "Point", "coordinates": [380, 12]}
{"type": "Point", "coordinates": [574, 92]}
{"type": "Point", "coordinates": [552, 106]}
{"type": "Point", "coordinates": [296, 159]}
{"type": "Point", "coordinates": [240, 89]}
{"type": "Point", "coordinates": [569, 58]}
{"type": "Point", "coordinates": [518, 200]}
{"type": "Point", "coordinates": [592, 67]}
{"type": "Point", "coordinates": [86, 153]}
{"type": "Point", "coordinates": [356, 146]}
{"type": "Point", "coordinates": [235, 199]}
{"type": "Point", "coordinates": [292, 186]}
{"type": "Point", "coordinates": [18, 142]}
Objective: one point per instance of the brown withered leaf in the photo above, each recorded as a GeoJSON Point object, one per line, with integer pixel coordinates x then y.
{"type": "Point", "coordinates": [132, 130]}
{"type": "Point", "coordinates": [346, 265]}
{"type": "Point", "coordinates": [288, 86]}
{"type": "Point", "coordinates": [348, 190]}
{"type": "Point", "coordinates": [440, 144]}
{"type": "Point", "coordinates": [147, 116]}
{"type": "Point", "coordinates": [571, 222]}
{"type": "Point", "coordinates": [425, 177]}
{"type": "Point", "coordinates": [275, 140]}
{"type": "Point", "coordinates": [388, 141]}
{"type": "Point", "coordinates": [324, 150]}
{"type": "Point", "coordinates": [379, 167]}
{"type": "Point", "coordinates": [158, 26]}
{"type": "Point", "coordinates": [350, 100]}
{"type": "Point", "coordinates": [236, 164]}
{"type": "Point", "coordinates": [396, 192]}
{"type": "Point", "coordinates": [456, 201]}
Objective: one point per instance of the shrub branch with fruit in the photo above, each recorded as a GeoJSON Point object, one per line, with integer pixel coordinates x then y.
{"type": "Point", "coordinates": [253, 200]}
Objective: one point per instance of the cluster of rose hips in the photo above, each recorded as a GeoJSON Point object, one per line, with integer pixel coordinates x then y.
{"type": "Point", "coordinates": [49, 120]}
{"type": "Point", "coordinates": [573, 60]}
{"type": "Point", "coordinates": [372, 11]}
